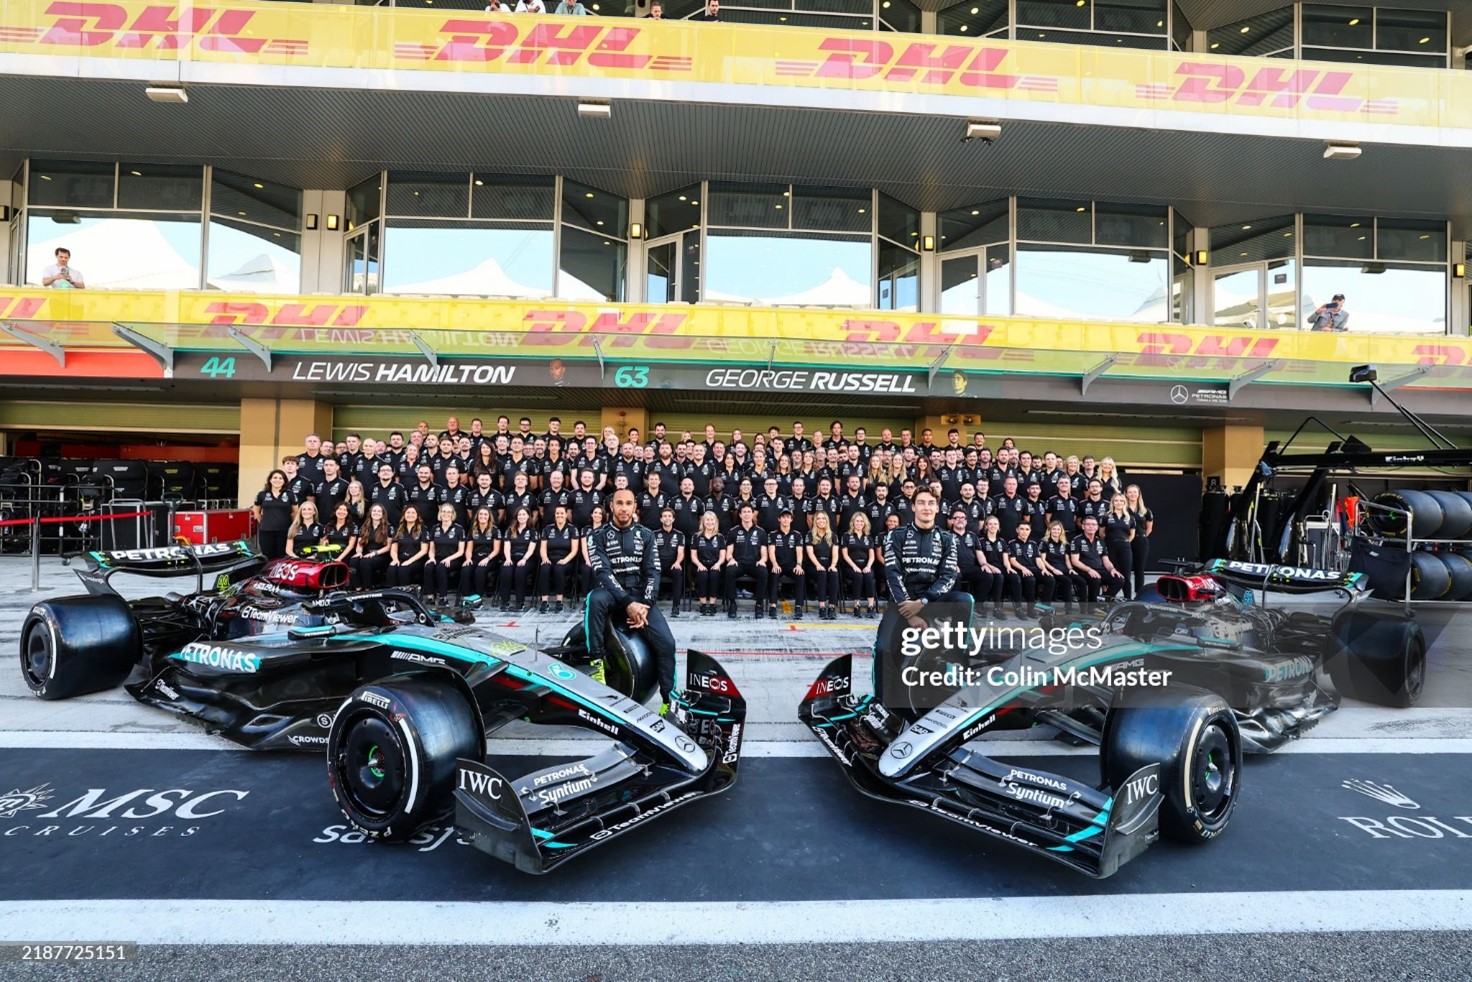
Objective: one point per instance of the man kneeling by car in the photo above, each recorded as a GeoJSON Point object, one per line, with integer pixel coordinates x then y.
{"type": "Point", "coordinates": [625, 567]}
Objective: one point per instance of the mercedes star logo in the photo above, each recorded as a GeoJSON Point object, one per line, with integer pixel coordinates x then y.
{"type": "Point", "coordinates": [1179, 395]}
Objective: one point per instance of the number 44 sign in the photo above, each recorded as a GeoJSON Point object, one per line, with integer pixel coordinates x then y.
{"type": "Point", "coordinates": [217, 367]}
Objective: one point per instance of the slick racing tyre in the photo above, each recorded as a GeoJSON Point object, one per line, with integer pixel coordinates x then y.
{"type": "Point", "coordinates": [1426, 513]}
{"type": "Point", "coordinates": [628, 666]}
{"type": "Point", "coordinates": [76, 645]}
{"type": "Point", "coordinates": [391, 755]}
{"type": "Point", "coordinates": [1378, 656]}
{"type": "Point", "coordinates": [1193, 735]}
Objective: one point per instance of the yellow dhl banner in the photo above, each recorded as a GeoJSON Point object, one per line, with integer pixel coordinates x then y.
{"type": "Point", "coordinates": [314, 35]}
{"type": "Point", "coordinates": [203, 322]}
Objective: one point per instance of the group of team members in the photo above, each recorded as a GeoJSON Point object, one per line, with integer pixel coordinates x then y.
{"type": "Point", "coordinates": [510, 513]}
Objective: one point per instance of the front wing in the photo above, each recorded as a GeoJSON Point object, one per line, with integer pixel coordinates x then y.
{"type": "Point", "coordinates": [1090, 830]}
{"type": "Point", "coordinates": [543, 819]}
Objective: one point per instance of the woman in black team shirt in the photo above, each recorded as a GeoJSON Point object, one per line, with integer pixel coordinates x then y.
{"type": "Point", "coordinates": [357, 503]}
{"type": "Point", "coordinates": [858, 561]}
{"type": "Point", "coordinates": [305, 532]}
{"type": "Point", "coordinates": [1140, 544]}
{"type": "Point", "coordinates": [408, 549]}
{"type": "Point", "coordinates": [1055, 558]}
{"type": "Point", "coordinates": [446, 554]}
{"type": "Point", "coordinates": [519, 559]}
{"type": "Point", "coordinates": [275, 510]}
{"type": "Point", "coordinates": [708, 554]}
{"type": "Point", "coordinates": [559, 555]}
{"type": "Point", "coordinates": [994, 554]}
{"type": "Point", "coordinates": [1118, 525]}
{"type": "Point", "coordinates": [341, 531]}
{"type": "Point", "coordinates": [478, 575]}
{"type": "Point", "coordinates": [375, 541]}
{"type": "Point", "coordinates": [596, 518]}
{"type": "Point", "coordinates": [823, 565]}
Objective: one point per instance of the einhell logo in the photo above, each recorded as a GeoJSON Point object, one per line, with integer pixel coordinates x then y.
{"type": "Point", "coordinates": [1279, 88]}
{"type": "Point", "coordinates": [158, 28]}
{"type": "Point", "coordinates": [1213, 345]}
{"type": "Point", "coordinates": [540, 43]}
{"type": "Point", "coordinates": [287, 314]}
{"type": "Point", "coordinates": [21, 308]}
{"type": "Point", "coordinates": [928, 63]}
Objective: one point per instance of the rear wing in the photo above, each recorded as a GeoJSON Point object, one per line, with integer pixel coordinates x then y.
{"type": "Point", "coordinates": [1286, 579]}
{"type": "Point", "coordinates": [228, 559]}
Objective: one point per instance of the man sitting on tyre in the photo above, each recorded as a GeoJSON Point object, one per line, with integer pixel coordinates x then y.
{"type": "Point", "coordinates": [625, 567]}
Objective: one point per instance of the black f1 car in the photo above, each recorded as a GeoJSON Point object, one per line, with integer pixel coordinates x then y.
{"type": "Point", "coordinates": [399, 696]}
{"type": "Point", "coordinates": [1172, 693]}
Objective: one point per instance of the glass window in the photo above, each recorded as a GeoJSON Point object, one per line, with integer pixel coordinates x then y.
{"type": "Point", "coordinates": [903, 16]}
{"type": "Point", "coordinates": [161, 187]}
{"type": "Point", "coordinates": [980, 224]}
{"type": "Point", "coordinates": [898, 222]}
{"type": "Point", "coordinates": [1130, 16]}
{"type": "Point", "coordinates": [1339, 27]}
{"type": "Point", "coordinates": [749, 205]}
{"type": "Point", "coordinates": [1180, 28]}
{"type": "Point", "coordinates": [420, 195]}
{"type": "Point", "coordinates": [899, 278]}
{"type": "Point", "coordinates": [264, 202]}
{"type": "Point", "coordinates": [1264, 36]}
{"type": "Point", "coordinates": [1380, 298]}
{"type": "Point", "coordinates": [825, 270]}
{"type": "Point", "coordinates": [470, 259]}
{"type": "Point", "coordinates": [831, 209]}
{"type": "Point", "coordinates": [997, 286]}
{"type": "Point", "coordinates": [73, 184]}
{"type": "Point", "coordinates": [979, 18]}
{"type": "Point", "coordinates": [1255, 241]}
{"type": "Point", "coordinates": [246, 258]}
{"type": "Point", "coordinates": [363, 201]}
{"type": "Point", "coordinates": [117, 250]}
{"type": "Point", "coordinates": [1092, 284]}
{"type": "Point", "coordinates": [1411, 240]}
{"type": "Point", "coordinates": [512, 198]}
{"type": "Point", "coordinates": [1142, 226]}
{"type": "Point", "coordinates": [673, 212]}
{"type": "Point", "coordinates": [960, 288]}
{"type": "Point", "coordinates": [1045, 220]}
{"type": "Point", "coordinates": [594, 209]}
{"type": "Point", "coordinates": [1422, 31]}
{"type": "Point", "coordinates": [1343, 237]}
{"type": "Point", "coordinates": [591, 266]}
{"type": "Point", "coordinates": [1053, 13]}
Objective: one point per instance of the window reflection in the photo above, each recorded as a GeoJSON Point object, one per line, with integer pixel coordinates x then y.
{"type": "Point", "coordinates": [468, 260]}
{"type": "Point", "coordinates": [1399, 300]}
{"type": "Point", "coordinates": [121, 251]}
{"type": "Point", "coordinates": [1092, 284]}
{"type": "Point", "coordinates": [797, 269]}
{"type": "Point", "coordinates": [247, 258]}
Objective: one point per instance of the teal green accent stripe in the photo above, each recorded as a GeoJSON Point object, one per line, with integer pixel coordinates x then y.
{"type": "Point", "coordinates": [1099, 823]}
{"type": "Point", "coordinates": [547, 837]}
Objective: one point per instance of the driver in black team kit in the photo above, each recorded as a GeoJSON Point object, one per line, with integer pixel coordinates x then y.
{"type": "Point", "coordinates": [625, 566]}
{"type": "Point", "coordinates": [921, 569]}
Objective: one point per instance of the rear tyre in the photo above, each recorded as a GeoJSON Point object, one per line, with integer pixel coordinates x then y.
{"type": "Point", "coordinates": [1456, 514]}
{"type": "Point", "coordinates": [1459, 567]}
{"type": "Point", "coordinates": [1193, 735]}
{"type": "Point", "coordinates": [628, 664]}
{"type": "Point", "coordinates": [391, 755]}
{"type": "Point", "coordinates": [1379, 657]}
{"type": "Point", "coordinates": [1430, 577]}
{"type": "Point", "coordinates": [76, 645]}
{"type": "Point", "coordinates": [1426, 513]}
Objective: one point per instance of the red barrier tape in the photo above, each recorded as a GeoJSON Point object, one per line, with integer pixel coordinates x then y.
{"type": "Point", "coordinates": [75, 518]}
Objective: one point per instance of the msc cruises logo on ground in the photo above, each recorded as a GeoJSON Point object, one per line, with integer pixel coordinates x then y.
{"type": "Point", "coordinates": [157, 28]}
{"type": "Point", "coordinates": [14, 802]}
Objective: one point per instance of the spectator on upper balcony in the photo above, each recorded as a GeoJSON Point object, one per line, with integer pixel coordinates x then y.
{"type": "Point", "coordinates": [1331, 316]}
{"type": "Point", "coordinates": [712, 11]}
{"type": "Point", "coordinates": [574, 9]}
{"type": "Point", "coordinates": [497, 7]}
{"type": "Point", "coordinates": [656, 11]}
{"type": "Point", "coordinates": [530, 7]}
{"type": "Point", "coordinates": [61, 275]}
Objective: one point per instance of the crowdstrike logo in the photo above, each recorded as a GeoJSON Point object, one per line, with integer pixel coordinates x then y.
{"type": "Point", "coordinates": [14, 802]}
{"type": "Point", "coordinates": [1380, 792]}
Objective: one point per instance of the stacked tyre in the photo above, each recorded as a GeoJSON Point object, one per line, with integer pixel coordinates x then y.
{"type": "Point", "coordinates": [1443, 574]}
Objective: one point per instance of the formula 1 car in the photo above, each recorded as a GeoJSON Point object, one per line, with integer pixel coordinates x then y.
{"type": "Point", "coordinates": [1172, 693]}
{"type": "Point", "coordinates": [399, 696]}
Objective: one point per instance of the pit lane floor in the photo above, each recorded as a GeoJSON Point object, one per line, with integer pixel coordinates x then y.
{"type": "Point", "coordinates": [250, 851]}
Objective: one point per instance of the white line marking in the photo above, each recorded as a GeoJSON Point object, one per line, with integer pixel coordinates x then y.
{"type": "Point", "coordinates": [563, 747]}
{"type": "Point", "coordinates": [260, 922]}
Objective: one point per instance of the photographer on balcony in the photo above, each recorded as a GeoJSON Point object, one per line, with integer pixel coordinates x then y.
{"type": "Point", "coordinates": [1331, 316]}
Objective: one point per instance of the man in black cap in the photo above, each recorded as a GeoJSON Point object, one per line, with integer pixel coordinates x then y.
{"type": "Point", "coordinates": [1331, 316]}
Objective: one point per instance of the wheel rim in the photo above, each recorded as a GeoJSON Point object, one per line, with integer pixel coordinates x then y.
{"type": "Point", "coordinates": [1415, 670]}
{"type": "Point", "coordinates": [1213, 774]}
{"type": "Point", "coordinates": [36, 655]}
{"type": "Point", "coordinates": [372, 766]}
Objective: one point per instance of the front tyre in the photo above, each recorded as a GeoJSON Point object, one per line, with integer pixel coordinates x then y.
{"type": "Point", "coordinates": [1193, 735]}
{"type": "Point", "coordinates": [76, 645]}
{"type": "Point", "coordinates": [1378, 656]}
{"type": "Point", "coordinates": [391, 755]}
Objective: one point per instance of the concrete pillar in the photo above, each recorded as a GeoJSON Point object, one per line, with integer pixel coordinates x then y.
{"type": "Point", "coordinates": [1230, 452]}
{"type": "Point", "coordinates": [635, 282]}
{"type": "Point", "coordinates": [1458, 316]}
{"type": "Point", "coordinates": [1201, 302]}
{"type": "Point", "coordinates": [929, 264]}
{"type": "Point", "coordinates": [927, 22]}
{"type": "Point", "coordinates": [621, 418]}
{"type": "Point", "coordinates": [272, 428]}
{"type": "Point", "coordinates": [322, 251]}
{"type": "Point", "coordinates": [9, 208]}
